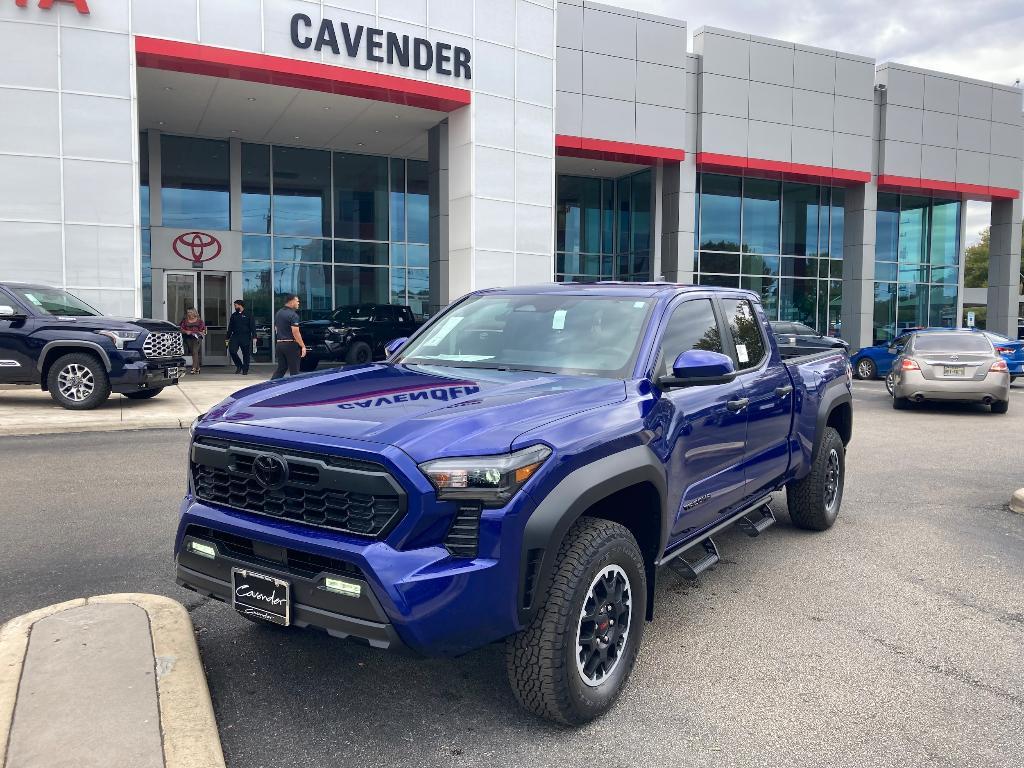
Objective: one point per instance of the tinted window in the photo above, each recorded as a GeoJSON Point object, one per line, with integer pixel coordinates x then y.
{"type": "Point", "coordinates": [194, 189]}
{"type": "Point", "coordinates": [54, 301]}
{"type": "Point", "coordinates": [361, 197]}
{"type": "Point", "coordinates": [385, 314]}
{"type": "Point", "coordinates": [302, 192]}
{"type": "Point", "coordinates": [720, 213]}
{"type": "Point", "coordinates": [952, 342]}
{"type": "Point", "coordinates": [692, 326]}
{"type": "Point", "coordinates": [746, 332]}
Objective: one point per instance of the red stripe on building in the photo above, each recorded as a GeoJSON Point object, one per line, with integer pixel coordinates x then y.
{"type": "Point", "coordinates": [619, 151]}
{"type": "Point", "coordinates": [973, 191]}
{"type": "Point", "coordinates": [753, 166]}
{"type": "Point", "coordinates": [307, 75]}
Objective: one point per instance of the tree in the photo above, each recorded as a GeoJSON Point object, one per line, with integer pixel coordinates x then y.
{"type": "Point", "coordinates": [976, 262]}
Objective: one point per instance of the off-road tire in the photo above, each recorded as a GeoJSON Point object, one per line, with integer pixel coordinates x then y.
{"type": "Point", "coordinates": [1000, 406]}
{"type": "Point", "coordinates": [144, 394]}
{"type": "Point", "coordinates": [869, 368]}
{"type": "Point", "coordinates": [100, 381]}
{"type": "Point", "coordinates": [809, 507]}
{"type": "Point", "coordinates": [359, 354]}
{"type": "Point", "coordinates": [541, 660]}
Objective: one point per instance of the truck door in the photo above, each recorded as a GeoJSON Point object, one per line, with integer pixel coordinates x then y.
{"type": "Point", "coordinates": [697, 431]}
{"type": "Point", "coordinates": [17, 363]}
{"type": "Point", "coordinates": [768, 391]}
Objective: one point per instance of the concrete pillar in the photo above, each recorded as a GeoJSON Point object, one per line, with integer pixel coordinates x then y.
{"type": "Point", "coordinates": [859, 265]}
{"type": "Point", "coordinates": [437, 165]}
{"type": "Point", "coordinates": [1004, 268]}
{"type": "Point", "coordinates": [679, 205]}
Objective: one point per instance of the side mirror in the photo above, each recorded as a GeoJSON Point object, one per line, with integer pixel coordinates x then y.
{"type": "Point", "coordinates": [394, 345]}
{"type": "Point", "coordinates": [10, 313]}
{"type": "Point", "coordinates": [698, 368]}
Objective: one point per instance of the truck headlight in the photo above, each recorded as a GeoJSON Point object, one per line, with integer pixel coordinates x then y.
{"type": "Point", "coordinates": [490, 479]}
{"type": "Point", "coordinates": [120, 338]}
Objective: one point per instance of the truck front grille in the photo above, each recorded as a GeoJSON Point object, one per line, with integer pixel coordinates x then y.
{"type": "Point", "coordinates": [359, 498]}
{"type": "Point", "coordinates": [168, 344]}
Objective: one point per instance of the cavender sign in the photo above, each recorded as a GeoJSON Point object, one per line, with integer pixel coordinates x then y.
{"type": "Point", "coordinates": [380, 46]}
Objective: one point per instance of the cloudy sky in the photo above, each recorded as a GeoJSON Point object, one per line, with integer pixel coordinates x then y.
{"type": "Point", "coordinates": [983, 39]}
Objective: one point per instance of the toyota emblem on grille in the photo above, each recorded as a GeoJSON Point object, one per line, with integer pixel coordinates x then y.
{"type": "Point", "coordinates": [196, 247]}
{"type": "Point", "coordinates": [270, 471]}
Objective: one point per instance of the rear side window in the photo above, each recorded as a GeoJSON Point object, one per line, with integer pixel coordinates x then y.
{"type": "Point", "coordinates": [746, 332]}
{"type": "Point", "coordinates": [952, 342]}
{"type": "Point", "coordinates": [692, 326]}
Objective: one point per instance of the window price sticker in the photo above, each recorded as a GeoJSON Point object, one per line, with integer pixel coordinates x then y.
{"type": "Point", "coordinates": [741, 353]}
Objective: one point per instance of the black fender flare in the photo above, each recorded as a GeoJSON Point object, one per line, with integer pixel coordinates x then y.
{"type": "Point", "coordinates": [566, 503]}
{"type": "Point", "coordinates": [829, 402]}
{"type": "Point", "coordinates": [92, 346]}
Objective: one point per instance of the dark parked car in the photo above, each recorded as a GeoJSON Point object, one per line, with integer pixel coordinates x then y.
{"type": "Point", "coordinates": [796, 339]}
{"type": "Point", "coordinates": [356, 334]}
{"type": "Point", "coordinates": [51, 339]}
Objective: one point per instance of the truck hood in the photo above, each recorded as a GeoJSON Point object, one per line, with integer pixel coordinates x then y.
{"type": "Point", "coordinates": [428, 412]}
{"type": "Point", "coordinates": [104, 323]}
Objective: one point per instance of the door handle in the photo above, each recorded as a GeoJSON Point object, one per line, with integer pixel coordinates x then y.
{"type": "Point", "coordinates": [738, 405]}
{"type": "Point", "coordinates": [784, 391]}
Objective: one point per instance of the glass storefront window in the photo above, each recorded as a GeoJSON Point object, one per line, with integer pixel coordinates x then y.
{"type": "Point", "coordinates": [720, 212]}
{"type": "Point", "coordinates": [769, 290]}
{"type": "Point", "coordinates": [837, 213]}
{"type": "Point", "coordinates": [256, 188]}
{"type": "Point", "coordinates": [942, 306]}
{"type": "Point", "coordinates": [799, 301]}
{"type": "Point", "coordinates": [397, 199]}
{"type": "Point", "coordinates": [361, 196]}
{"type": "Point", "coordinates": [360, 285]}
{"type": "Point", "coordinates": [913, 234]}
{"type": "Point", "coordinates": [761, 202]}
{"type": "Point", "coordinates": [306, 249]}
{"type": "Point", "coordinates": [256, 293]}
{"type": "Point", "coordinates": [255, 248]}
{"type": "Point", "coordinates": [800, 215]}
{"type": "Point", "coordinates": [195, 187]}
{"type": "Point", "coordinates": [911, 307]}
{"type": "Point", "coordinates": [720, 263]}
{"type": "Point", "coordinates": [884, 321]}
{"type": "Point", "coordinates": [418, 201]}
{"type": "Point", "coordinates": [144, 179]}
{"type": "Point", "coordinates": [640, 215]}
{"type": "Point", "coordinates": [302, 192]}
{"type": "Point", "coordinates": [417, 256]}
{"type": "Point", "coordinates": [579, 215]}
{"type": "Point", "coordinates": [760, 265]}
{"type": "Point", "coordinates": [312, 284]}
{"type": "Point", "coordinates": [356, 252]}
{"type": "Point", "coordinates": [146, 251]}
{"type": "Point", "coordinates": [419, 291]}
{"type": "Point", "coordinates": [945, 233]}
{"type": "Point", "coordinates": [887, 225]}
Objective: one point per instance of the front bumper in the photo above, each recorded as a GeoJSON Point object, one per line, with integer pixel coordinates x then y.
{"type": "Point", "coordinates": [146, 374]}
{"type": "Point", "coordinates": [420, 598]}
{"type": "Point", "coordinates": [913, 385]}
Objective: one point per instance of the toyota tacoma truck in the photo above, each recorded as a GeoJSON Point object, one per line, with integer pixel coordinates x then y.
{"type": "Point", "coordinates": [519, 471]}
{"type": "Point", "coordinates": [53, 340]}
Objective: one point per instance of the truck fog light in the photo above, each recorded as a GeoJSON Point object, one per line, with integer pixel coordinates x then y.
{"type": "Point", "coordinates": [346, 588]}
{"type": "Point", "coordinates": [203, 550]}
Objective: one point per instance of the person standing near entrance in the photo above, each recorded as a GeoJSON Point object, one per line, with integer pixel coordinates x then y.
{"type": "Point", "coordinates": [290, 346]}
{"type": "Point", "coordinates": [241, 330]}
{"type": "Point", "coordinates": [194, 330]}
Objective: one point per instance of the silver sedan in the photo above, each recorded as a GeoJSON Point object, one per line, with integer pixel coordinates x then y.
{"type": "Point", "coordinates": [950, 365]}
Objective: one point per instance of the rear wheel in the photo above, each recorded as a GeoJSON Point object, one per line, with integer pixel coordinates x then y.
{"type": "Point", "coordinates": [359, 354]}
{"type": "Point", "coordinates": [571, 663]}
{"type": "Point", "coordinates": [866, 368]}
{"type": "Point", "coordinates": [78, 381]}
{"type": "Point", "coordinates": [1000, 406]}
{"type": "Point", "coordinates": [814, 501]}
{"type": "Point", "coordinates": [144, 394]}
{"type": "Point", "coordinates": [309, 362]}
{"type": "Point", "coordinates": [890, 381]}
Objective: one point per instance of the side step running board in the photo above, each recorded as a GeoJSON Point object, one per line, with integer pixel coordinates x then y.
{"type": "Point", "coordinates": [691, 570]}
{"type": "Point", "coordinates": [755, 524]}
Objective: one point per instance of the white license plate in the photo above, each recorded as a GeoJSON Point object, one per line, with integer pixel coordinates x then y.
{"type": "Point", "coordinates": [173, 373]}
{"type": "Point", "coordinates": [953, 370]}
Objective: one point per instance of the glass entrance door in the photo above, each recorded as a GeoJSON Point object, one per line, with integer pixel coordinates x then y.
{"type": "Point", "coordinates": [180, 294]}
{"type": "Point", "coordinates": [216, 311]}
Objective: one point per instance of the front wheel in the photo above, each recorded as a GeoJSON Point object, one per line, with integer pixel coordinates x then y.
{"type": "Point", "coordinates": [78, 382]}
{"type": "Point", "coordinates": [359, 354]}
{"type": "Point", "coordinates": [866, 368]}
{"type": "Point", "coordinates": [814, 501]}
{"type": "Point", "coordinates": [571, 663]}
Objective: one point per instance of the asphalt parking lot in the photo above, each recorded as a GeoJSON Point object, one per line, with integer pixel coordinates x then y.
{"type": "Point", "coordinates": [894, 639]}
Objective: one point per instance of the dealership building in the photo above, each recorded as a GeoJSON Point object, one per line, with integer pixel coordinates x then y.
{"type": "Point", "coordinates": [161, 154]}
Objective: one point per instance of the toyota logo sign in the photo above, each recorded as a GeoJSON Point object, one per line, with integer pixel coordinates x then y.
{"type": "Point", "coordinates": [270, 471]}
{"type": "Point", "coordinates": [196, 247]}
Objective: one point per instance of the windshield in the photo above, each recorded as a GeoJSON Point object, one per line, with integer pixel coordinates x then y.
{"type": "Point", "coordinates": [54, 301]}
{"type": "Point", "coordinates": [952, 342]}
{"type": "Point", "coordinates": [551, 333]}
{"type": "Point", "coordinates": [359, 314]}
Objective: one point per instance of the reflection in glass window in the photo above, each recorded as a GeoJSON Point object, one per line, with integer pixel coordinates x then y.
{"type": "Point", "coordinates": [419, 291]}
{"type": "Point", "coordinates": [256, 188]}
{"type": "Point", "coordinates": [306, 249]}
{"type": "Point", "coordinates": [397, 199]}
{"type": "Point", "coordinates": [640, 214]}
{"type": "Point", "coordinates": [747, 333]}
{"type": "Point", "coordinates": [360, 285]}
{"type": "Point", "coordinates": [418, 201]}
{"type": "Point", "coordinates": [195, 183]}
{"type": "Point", "coordinates": [884, 322]}
{"type": "Point", "coordinates": [911, 306]}
{"type": "Point", "coordinates": [302, 192]}
{"type": "Point", "coordinates": [398, 286]}
{"type": "Point", "coordinates": [800, 212]}
{"type": "Point", "coordinates": [799, 301]}
{"type": "Point", "coordinates": [144, 179]}
{"type": "Point", "coordinates": [720, 212]}
{"type": "Point", "coordinates": [255, 248]}
{"type": "Point", "coordinates": [579, 215]}
{"type": "Point", "coordinates": [147, 272]}
{"type": "Point", "coordinates": [768, 287]}
{"type": "Point", "coordinates": [945, 233]}
{"type": "Point", "coordinates": [838, 219]}
{"type": "Point", "coordinates": [761, 201]}
{"type": "Point", "coordinates": [942, 306]}
{"type": "Point", "coordinates": [361, 196]}
{"type": "Point", "coordinates": [417, 256]}
{"type": "Point", "coordinates": [312, 284]}
{"type": "Point", "coordinates": [887, 224]}
{"type": "Point", "coordinates": [355, 252]}
{"type": "Point", "coordinates": [913, 225]}
{"type": "Point", "coordinates": [692, 326]}
{"type": "Point", "coordinates": [256, 291]}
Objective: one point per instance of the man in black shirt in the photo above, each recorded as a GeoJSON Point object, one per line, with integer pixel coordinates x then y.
{"type": "Point", "coordinates": [241, 330]}
{"type": "Point", "coordinates": [290, 346]}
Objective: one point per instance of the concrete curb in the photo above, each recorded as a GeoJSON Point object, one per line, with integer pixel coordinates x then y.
{"type": "Point", "coordinates": [1017, 501]}
{"type": "Point", "coordinates": [187, 723]}
{"type": "Point", "coordinates": [96, 427]}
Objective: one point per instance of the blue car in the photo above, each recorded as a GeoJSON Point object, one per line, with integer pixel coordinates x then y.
{"type": "Point", "coordinates": [876, 362]}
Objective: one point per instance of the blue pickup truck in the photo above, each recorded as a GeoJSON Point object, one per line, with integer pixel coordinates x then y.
{"type": "Point", "coordinates": [517, 471]}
